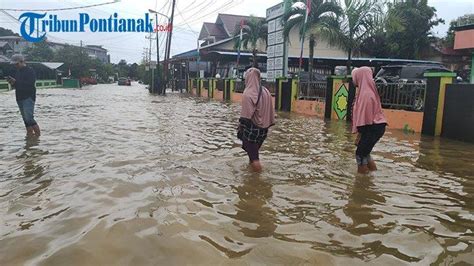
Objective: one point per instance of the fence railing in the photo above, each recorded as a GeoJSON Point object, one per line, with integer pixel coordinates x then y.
{"type": "Point", "coordinates": [220, 83]}
{"type": "Point", "coordinates": [178, 84]}
{"type": "Point", "coordinates": [239, 86]}
{"type": "Point", "coordinates": [4, 85]}
{"type": "Point", "coordinates": [314, 90]}
{"type": "Point", "coordinates": [403, 96]}
{"type": "Point", "coordinates": [271, 86]}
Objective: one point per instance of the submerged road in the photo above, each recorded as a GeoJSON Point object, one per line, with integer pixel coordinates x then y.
{"type": "Point", "coordinates": [126, 178]}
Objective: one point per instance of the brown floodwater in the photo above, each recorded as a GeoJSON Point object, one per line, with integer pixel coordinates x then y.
{"type": "Point", "coordinates": [121, 177]}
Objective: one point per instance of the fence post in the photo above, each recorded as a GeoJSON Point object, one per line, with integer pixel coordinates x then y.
{"type": "Point", "coordinates": [472, 68]}
{"type": "Point", "coordinates": [338, 94]}
{"type": "Point", "coordinates": [224, 91]}
{"type": "Point", "coordinates": [278, 90]}
{"type": "Point", "coordinates": [210, 88]}
{"type": "Point", "coordinates": [329, 92]}
{"type": "Point", "coordinates": [351, 98]}
{"type": "Point", "coordinates": [214, 87]}
{"type": "Point", "coordinates": [198, 87]}
{"type": "Point", "coordinates": [434, 102]}
{"type": "Point", "coordinates": [294, 93]}
{"type": "Point", "coordinates": [286, 94]}
{"type": "Point", "coordinates": [231, 88]}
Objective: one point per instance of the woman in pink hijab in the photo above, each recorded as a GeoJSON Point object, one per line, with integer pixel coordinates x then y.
{"type": "Point", "coordinates": [256, 118]}
{"type": "Point", "coordinates": [368, 119]}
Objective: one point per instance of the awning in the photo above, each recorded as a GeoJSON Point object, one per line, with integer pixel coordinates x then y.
{"type": "Point", "coordinates": [234, 53]}
{"type": "Point", "coordinates": [52, 65]}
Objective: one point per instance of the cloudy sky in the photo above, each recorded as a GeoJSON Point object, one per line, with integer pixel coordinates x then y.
{"type": "Point", "coordinates": [189, 16]}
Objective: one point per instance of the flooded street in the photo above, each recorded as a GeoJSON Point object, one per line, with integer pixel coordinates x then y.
{"type": "Point", "coordinates": [121, 177]}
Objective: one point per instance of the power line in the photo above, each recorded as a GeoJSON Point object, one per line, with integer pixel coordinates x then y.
{"type": "Point", "coordinates": [187, 24]}
{"type": "Point", "coordinates": [224, 6]}
{"type": "Point", "coordinates": [60, 9]}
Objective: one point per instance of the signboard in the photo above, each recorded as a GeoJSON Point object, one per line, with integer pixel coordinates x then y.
{"type": "Point", "coordinates": [277, 61]}
{"type": "Point", "coordinates": [275, 11]}
{"type": "Point", "coordinates": [271, 51]}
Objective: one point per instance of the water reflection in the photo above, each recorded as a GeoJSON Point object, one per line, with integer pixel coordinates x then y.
{"type": "Point", "coordinates": [308, 204]}
{"type": "Point", "coordinates": [361, 207]}
{"type": "Point", "coordinates": [30, 159]}
{"type": "Point", "coordinates": [254, 216]}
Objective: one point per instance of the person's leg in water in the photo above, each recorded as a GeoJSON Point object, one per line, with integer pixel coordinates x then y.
{"type": "Point", "coordinates": [252, 151]}
{"type": "Point", "coordinates": [36, 130]}
{"type": "Point", "coordinates": [379, 131]}
{"type": "Point", "coordinates": [257, 167]}
{"type": "Point", "coordinates": [371, 164]}
{"type": "Point", "coordinates": [363, 152]}
{"type": "Point", "coordinates": [29, 118]}
{"type": "Point", "coordinates": [29, 130]}
{"type": "Point", "coordinates": [369, 138]}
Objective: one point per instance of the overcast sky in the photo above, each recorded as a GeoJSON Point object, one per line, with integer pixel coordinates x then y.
{"type": "Point", "coordinates": [189, 16]}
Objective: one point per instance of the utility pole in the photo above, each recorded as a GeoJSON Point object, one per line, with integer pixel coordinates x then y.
{"type": "Point", "coordinates": [158, 73]}
{"type": "Point", "coordinates": [168, 47]}
{"type": "Point", "coordinates": [80, 63]}
{"type": "Point", "coordinates": [152, 87]}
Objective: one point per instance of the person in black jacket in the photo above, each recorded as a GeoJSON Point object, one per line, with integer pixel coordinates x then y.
{"type": "Point", "coordinates": [24, 83]}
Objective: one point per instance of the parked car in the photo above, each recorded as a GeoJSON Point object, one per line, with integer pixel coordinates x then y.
{"type": "Point", "coordinates": [124, 82]}
{"type": "Point", "coordinates": [404, 86]}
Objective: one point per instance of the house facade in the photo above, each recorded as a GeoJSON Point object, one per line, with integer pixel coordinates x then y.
{"type": "Point", "coordinates": [18, 45]}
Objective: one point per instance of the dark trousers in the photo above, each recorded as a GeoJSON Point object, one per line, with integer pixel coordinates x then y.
{"type": "Point", "coordinates": [370, 135]}
{"type": "Point", "coordinates": [252, 149]}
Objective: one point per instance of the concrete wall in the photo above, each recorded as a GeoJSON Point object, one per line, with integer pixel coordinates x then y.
{"type": "Point", "coordinates": [312, 108]}
{"type": "Point", "coordinates": [400, 119]}
{"type": "Point", "coordinates": [218, 95]}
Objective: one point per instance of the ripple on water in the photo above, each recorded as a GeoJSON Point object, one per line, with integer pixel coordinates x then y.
{"type": "Point", "coordinates": [123, 177]}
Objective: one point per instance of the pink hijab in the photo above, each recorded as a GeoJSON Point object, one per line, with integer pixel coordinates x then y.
{"type": "Point", "coordinates": [262, 115]}
{"type": "Point", "coordinates": [367, 106]}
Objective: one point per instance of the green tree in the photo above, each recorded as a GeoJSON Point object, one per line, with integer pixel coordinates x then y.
{"type": "Point", "coordinates": [133, 71]}
{"type": "Point", "coordinates": [75, 60]}
{"type": "Point", "coordinates": [7, 32]}
{"type": "Point", "coordinates": [464, 20]}
{"type": "Point", "coordinates": [377, 43]}
{"type": "Point", "coordinates": [103, 71]}
{"type": "Point", "coordinates": [123, 68]}
{"type": "Point", "coordinates": [417, 19]}
{"type": "Point", "coordinates": [322, 21]}
{"type": "Point", "coordinates": [253, 31]}
{"type": "Point", "coordinates": [40, 52]}
{"type": "Point", "coordinates": [355, 24]}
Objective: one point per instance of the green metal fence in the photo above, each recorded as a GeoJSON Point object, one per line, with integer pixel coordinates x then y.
{"type": "Point", "coordinates": [4, 85]}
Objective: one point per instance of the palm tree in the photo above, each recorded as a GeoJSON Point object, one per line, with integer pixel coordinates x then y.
{"type": "Point", "coordinates": [355, 24]}
{"type": "Point", "coordinates": [253, 31]}
{"type": "Point", "coordinates": [322, 19]}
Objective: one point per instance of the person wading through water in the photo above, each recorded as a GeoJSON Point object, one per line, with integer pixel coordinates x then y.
{"type": "Point", "coordinates": [25, 91]}
{"type": "Point", "coordinates": [368, 120]}
{"type": "Point", "coordinates": [256, 118]}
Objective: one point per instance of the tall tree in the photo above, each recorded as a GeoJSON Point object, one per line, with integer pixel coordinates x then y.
{"type": "Point", "coordinates": [7, 32]}
{"type": "Point", "coordinates": [40, 52]}
{"type": "Point", "coordinates": [74, 60]}
{"type": "Point", "coordinates": [355, 24]}
{"type": "Point", "coordinates": [417, 19]}
{"type": "Point", "coordinates": [321, 21]}
{"type": "Point", "coordinates": [376, 43]}
{"type": "Point", "coordinates": [254, 30]}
